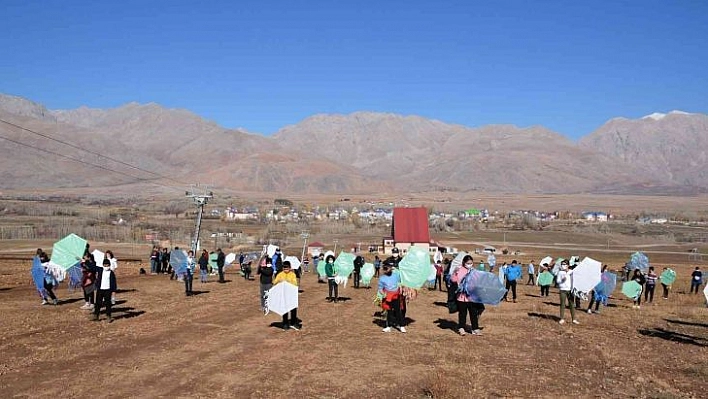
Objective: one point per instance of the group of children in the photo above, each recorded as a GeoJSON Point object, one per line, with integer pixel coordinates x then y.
{"type": "Point", "coordinates": [98, 283]}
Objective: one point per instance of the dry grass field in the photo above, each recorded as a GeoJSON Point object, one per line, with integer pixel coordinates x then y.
{"type": "Point", "coordinates": [218, 344]}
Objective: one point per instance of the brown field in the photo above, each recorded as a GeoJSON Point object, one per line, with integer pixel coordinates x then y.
{"type": "Point", "coordinates": [218, 343]}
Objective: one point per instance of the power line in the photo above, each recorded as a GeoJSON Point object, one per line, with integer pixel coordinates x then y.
{"type": "Point", "coordinates": [152, 180]}
{"type": "Point", "coordinates": [73, 159]}
{"type": "Point", "coordinates": [90, 152]}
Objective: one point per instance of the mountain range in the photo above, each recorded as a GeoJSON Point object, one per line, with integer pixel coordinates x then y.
{"type": "Point", "coordinates": [363, 152]}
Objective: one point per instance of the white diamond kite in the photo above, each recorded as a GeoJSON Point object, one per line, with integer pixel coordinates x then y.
{"type": "Point", "coordinates": [282, 298]}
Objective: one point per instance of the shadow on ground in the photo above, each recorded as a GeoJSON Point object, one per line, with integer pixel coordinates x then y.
{"type": "Point", "coordinates": [544, 316]}
{"type": "Point", "coordinates": [673, 336]}
{"type": "Point", "coordinates": [687, 323]}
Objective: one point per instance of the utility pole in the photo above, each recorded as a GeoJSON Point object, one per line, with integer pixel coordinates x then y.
{"type": "Point", "coordinates": [305, 235]}
{"type": "Point", "coordinates": [201, 197]}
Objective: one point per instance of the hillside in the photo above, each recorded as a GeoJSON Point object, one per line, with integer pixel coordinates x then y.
{"type": "Point", "coordinates": [361, 152]}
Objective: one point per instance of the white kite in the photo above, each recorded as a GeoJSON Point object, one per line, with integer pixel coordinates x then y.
{"type": "Point", "coordinates": [98, 257]}
{"type": "Point", "coordinates": [457, 262]}
{"type": "Point", "coordinates": [586, 275]}
{"type": "Point", "coordinates": [294, 262]}
{"type": "Point", "coordinates": [270, 250]}
{"type": "Point", "coordinates": [230, 258]}
{"type": "Point", "coordinates": [281, 299]}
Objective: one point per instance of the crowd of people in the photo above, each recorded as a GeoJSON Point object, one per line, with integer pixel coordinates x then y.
{"type": "Point", "coordinates": [99, 283]}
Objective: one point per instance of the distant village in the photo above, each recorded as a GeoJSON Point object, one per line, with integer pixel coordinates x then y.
{"type": "Point", "coordinates": [377, 214]}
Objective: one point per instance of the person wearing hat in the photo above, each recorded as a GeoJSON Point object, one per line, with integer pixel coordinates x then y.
{"type": "Point", "coordinates": [564, 279]}
{"type": "Point", "coordinates": [395, 257]}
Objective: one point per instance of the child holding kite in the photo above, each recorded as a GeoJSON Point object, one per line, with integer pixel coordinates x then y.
{"type": "Point", "coordinates": [330, 272]}
{"type": "Point", "coordinates": [639, 278]}
{"type": "Point", "coordinates": [390, 291]}
{"type": "Point", "coordinates": [50, 282]}
{"type": "Point", "coordinates": [287, 275]}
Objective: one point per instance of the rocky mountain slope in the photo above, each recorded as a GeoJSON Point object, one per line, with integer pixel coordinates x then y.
{"type": "Point", "coordinates": [356, 153]}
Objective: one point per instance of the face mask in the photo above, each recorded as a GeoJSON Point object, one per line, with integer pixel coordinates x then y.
{"type": "Point", "coordinates": [390, 272]}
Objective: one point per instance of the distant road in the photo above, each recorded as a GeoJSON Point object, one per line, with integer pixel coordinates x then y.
{"type": "Point", "coordinates": [577, 247]}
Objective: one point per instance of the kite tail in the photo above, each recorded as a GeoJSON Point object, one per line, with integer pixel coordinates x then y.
{"type": "Point", "coordinates": [579, 294]}
{"type": "Point", "coordinates": [378, 298]}
{"type": "Point", "coordinates": [56, 271]}
{"type": "Point", "coordinates": [266, 309]}
{"type": "Point", "coordinates": [74, 274]}
{"type": "Point", "coordinates": [602, 298]}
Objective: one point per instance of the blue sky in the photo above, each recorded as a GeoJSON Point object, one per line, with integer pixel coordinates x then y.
{"type": "Point", "coordinates": [262, 65]}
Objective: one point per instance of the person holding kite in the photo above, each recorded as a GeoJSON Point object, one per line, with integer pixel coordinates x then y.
{"type": "Point", "coordinates": [287, 275]}
{"type": "Point", "coordinates": [594, 300]}
{"type": "Point", "coordinates": [639, 278]}
{"type": "Point", "coordinates": [390, 292]}
{"type": "Point", "coordinates": [464, 303]}
{"type": "Point", "coordinates": [43, 257]}
{"type": "Point", "coordinates": [331, 273]}
{"type": "Point", "coordinates": [50, 282]}
{"type": "Point", "coordinates": [565, 285]}
{"type": "Point", "coordinates": [666, 275]}
{"type": "Point", "coordinates": [545, 279]}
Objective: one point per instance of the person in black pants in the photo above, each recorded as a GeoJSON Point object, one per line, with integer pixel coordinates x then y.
{"type": "Point", "coordinates": [220, 261]}
{"type": "Point", "coordinates": [438, 276]}
{"type": "Point", "coordinates": [696, 280]}
{"type": "Point", "coordinates": [105, 286]}
{"type": "Point", "coordinates": [649, 286]}
{"type": "Point", "coordinates": [465, 304]}
{"type": "Point", "coordinates": [358, 263]}
{"type": "Point", "coordinates": [265, 271]}
{"type": "Point", "coordinates": [189, 275]}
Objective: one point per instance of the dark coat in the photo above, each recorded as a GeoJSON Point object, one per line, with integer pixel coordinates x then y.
{"type": "Point", "coordinates": [99, 276]}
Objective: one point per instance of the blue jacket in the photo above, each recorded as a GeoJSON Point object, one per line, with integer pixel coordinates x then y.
{"type": "Point", "coordinates": [389, 283]}
{"type": "Point", "coordinates": [513, 272]}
